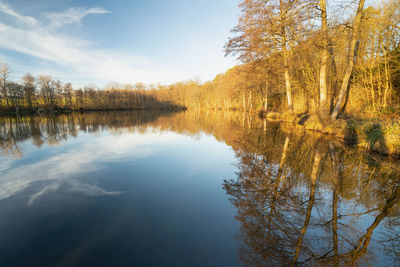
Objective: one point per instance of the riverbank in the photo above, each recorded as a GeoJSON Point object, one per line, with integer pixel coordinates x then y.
{"type": "Point", "coordinates": [381, 135]}
{"type": "Point", "coordinates": [377, 135]}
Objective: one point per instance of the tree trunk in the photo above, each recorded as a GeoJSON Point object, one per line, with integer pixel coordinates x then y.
{"type": "Point", "coordinates": [266, 98]}
{"type": "Point", "coordinates": [278, 179]}
{"type": "Point", "coordinates": [323, 88]}
{"type": "Point", "coordinates": [387, 79]}
{"type": "Point", "coordinates": [350, 62]}
{"type": "Point", "coordinates": [287, 81]}
{"type": "Point", "coordinates": [283, 14]}
{"type": "Point", "coordinates": [313, 178]}
{"type": "Point", "coordinates": [335, 200]}
{"type": "Point", "coordinates": [249, 106]}
{"type": "Point", "coordinates": [244, 101]}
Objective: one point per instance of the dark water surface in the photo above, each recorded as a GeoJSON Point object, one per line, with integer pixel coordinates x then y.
{"type": "Point", "coordinates": [190, 189]}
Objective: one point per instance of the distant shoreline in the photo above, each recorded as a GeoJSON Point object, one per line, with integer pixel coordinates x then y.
{"type": "Point", "coordinates": [67, 111]}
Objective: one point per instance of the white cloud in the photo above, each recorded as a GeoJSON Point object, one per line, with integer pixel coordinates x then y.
{"type": "Point", "coordinates": [78, 57]}
{"type": "Point", "coordinates": [42, 44]}
{"type": "Point", "coordinates": [72, 15]}
{"type": "Point", "coordinates": [25, 19]}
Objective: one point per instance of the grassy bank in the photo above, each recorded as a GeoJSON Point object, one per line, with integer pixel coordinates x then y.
{"type": "Point", "coordinates": [381, 135]}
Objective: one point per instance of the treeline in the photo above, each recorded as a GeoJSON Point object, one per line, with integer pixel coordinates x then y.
{"type": "Point", "coordinates": [298, 56]}
{"type": "Point", "coordinates": [45, 94]}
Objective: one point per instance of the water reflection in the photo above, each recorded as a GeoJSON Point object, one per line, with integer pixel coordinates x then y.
{"type": "Point", "coordinates": [52, 130]}
{"type": "Point", "coordinates": [86, 156]}
{"type": "Point", "coordinates": [300, 198]}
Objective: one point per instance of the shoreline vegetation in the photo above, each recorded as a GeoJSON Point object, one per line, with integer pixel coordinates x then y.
{"type": "Point", "coordinates": [376, 135]}
{"type": "Point", "coordinates": [338, 75]}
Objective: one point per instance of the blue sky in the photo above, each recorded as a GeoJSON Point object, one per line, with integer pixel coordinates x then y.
{"type": "Point", "coordinates": [158, 41]}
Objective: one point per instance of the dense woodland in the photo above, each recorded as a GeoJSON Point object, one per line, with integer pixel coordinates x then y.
{"type": "Point", "coordinates": [297, 55]}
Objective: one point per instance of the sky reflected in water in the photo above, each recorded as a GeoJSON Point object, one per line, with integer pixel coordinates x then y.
{"type": "Point", "coordinates": [190, 189]}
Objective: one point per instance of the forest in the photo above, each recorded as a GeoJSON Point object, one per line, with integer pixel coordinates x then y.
{"type": "Point", "coordinates": [297, 56]}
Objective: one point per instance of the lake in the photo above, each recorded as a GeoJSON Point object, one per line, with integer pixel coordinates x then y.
{"type": "Point", "coordinates": [212, 188]}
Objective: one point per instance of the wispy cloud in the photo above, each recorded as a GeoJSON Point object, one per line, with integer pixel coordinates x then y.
{"type": "Point", "coordinates": [76, 56]}
{"type": "Point", "coordinates": [73, 15]}
{"type": "Point", "coordinates": [61, 169]}
{"type": "Point", "coordinates": [91, 190]}
{"type": "Point", "coordinates": [74, 186]}
{"type": "Point", "coordinates": [42, 44]}
{"type": "Point", "coordinates": [47, 189]}
{"type": "Point", "coordinates": [30, 21]}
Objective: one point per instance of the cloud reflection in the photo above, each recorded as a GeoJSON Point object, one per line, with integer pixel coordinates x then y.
{"type": "Point", "coordinates": [82, 156]}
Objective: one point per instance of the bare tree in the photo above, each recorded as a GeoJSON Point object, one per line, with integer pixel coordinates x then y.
{"type": "Point", "coordinates": [16, 94]}
{"type": "Point", "coordinates": [29, 89]}
{"type": "Point", "coordinates": [4, 73]}
{"type": "Point", "coordinates": [47, 90]}
{"type": "Point", "coordinates": [67, 88]}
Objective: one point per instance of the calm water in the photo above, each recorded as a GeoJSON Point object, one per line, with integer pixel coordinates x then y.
{"type": "Point", "coordinates": [190, 189]}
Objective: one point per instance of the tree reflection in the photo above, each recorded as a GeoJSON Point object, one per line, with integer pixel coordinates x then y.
{"type": "Point", "coordinates": [53, 129]}
{"type": "Point", "coordinates": [315, 204]}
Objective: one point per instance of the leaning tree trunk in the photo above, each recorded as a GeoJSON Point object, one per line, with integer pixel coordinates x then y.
{"type": "Point", "coordinates": [350, 62]}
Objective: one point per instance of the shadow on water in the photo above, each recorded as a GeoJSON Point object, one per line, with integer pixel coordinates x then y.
{"type": "Point", "coordinates": [300, 198]}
